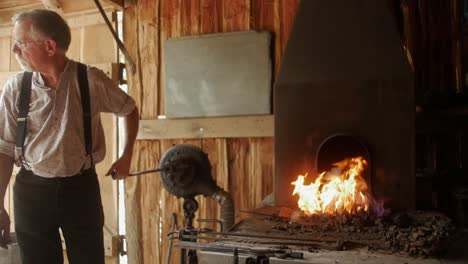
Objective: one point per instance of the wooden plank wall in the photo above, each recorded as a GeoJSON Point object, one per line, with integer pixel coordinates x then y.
{"type": "Point", "coordinates": [435, 38]}
{"type": "Point", "coordinates": [243, 166]}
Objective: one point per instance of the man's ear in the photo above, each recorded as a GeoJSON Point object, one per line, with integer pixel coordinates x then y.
{"type": "Point", "coordinates": [51, 47]}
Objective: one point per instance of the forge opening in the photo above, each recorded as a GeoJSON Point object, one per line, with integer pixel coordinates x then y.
{"type": "Point", "coordinates": [340, 147]}
{"type": "Point", "coordinates": [341, 184]}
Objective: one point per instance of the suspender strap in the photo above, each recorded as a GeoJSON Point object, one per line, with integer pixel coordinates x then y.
{"type": "Point", "coordinates": [24, 99]}
{"type": "Point", "coordinates": [84, 92]}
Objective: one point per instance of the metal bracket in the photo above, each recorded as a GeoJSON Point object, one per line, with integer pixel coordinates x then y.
{"type": "Point", "coordinates": [120, 243]}
{"type": "Point", "coordinates": [216, 221]}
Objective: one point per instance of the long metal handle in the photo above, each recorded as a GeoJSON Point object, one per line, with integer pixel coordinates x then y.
{"type": "Point", "coordinates": [145, 171]}
{"type": "Point", "coordinates": [170, 167]}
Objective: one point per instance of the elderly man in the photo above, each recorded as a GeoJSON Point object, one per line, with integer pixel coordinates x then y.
{"type": "Point", "coordinates": [51, 128]}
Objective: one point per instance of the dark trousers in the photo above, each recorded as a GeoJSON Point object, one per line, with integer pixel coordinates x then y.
{"type": "Point", "coordinates": [73, 204]}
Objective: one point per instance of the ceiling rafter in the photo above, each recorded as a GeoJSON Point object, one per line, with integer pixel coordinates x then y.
{"type": "Point", "coordinates": [53, 5]}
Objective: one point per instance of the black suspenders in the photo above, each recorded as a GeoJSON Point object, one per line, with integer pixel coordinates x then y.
{"type": "Point", "coordinates": [84, 92]}
{"type": "Point", "coordinates": [25, 96]}
{"type": "Point", "coordinates": [21, 124]}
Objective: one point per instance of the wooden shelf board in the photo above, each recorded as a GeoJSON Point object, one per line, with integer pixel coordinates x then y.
{"type": "Point", "coordinates": [209, 127]}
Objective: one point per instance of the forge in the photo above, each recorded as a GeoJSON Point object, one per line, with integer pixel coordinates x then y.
{"type": "Point", "coordinates": [345, 89]}
{"type": "Point", "coordinates": [344, 104]}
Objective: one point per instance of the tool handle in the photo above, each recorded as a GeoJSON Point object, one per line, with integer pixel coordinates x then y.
{"type": "Point", "coordinates": [144, 172]}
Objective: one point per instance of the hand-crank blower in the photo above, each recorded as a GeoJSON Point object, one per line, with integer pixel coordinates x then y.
{"type": "Point", "coordinates": [185, 171]}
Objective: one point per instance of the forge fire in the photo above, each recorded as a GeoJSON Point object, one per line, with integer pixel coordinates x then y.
{"type": "Point", "coordinates": [338, 191]}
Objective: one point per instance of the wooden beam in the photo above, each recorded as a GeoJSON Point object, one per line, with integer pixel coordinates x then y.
{"type": "Point", "coordinates": [74, 20]}
{"type": "Point", "coordinates": [7, 13]}
{"type": "Point", "coordinates": [213, 127]}
{"type": "Point", "coordinates": [53, 5]}
{"type": "Point", "coordinates": [117, 4]}
{"type": "Point", "coordinates": [128, 3]}
{"type": "Point", "coordinates": [12, 3]}
{"type": "Point", "coordinates": [83, 20]}
{"type": "Point", "coordinates": [70, 6]}
{"type": "Point", "coordinates": [111, 69]}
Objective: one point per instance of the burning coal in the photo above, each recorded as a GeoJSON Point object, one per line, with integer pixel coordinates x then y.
{"type": "Point", "coordinates": [339, 191]}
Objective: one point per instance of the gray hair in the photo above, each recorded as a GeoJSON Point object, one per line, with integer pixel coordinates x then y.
{"type": "Point", "coordinates": [47, 24]}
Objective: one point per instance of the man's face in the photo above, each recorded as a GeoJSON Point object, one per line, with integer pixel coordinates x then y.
{"type": "Point", "coordinates": [29, 50]}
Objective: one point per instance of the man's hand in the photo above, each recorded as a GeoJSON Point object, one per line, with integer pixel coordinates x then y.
{"type": "Point", "coordinates": [120, 169]}
{"type": "Point", "coordinates": [4, 228]}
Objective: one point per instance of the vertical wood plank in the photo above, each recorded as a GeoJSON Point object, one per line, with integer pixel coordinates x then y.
{"type": "Point", "coordinates": [131, 39]}
{"type": "Point", "coordinates": [211, 16]}
{"type": "Point", "coordinates": [150, 201]}
{"type": "Point", "coordinates": [263, 168]}
{"type": "Point", "coordinates": [148, 14]}
{"type": "Point", "coordinates": [171, 19]}
{"type": "Point", "coordinates": [5, 48]}
{"type": "Point", "coordinates": [190, 18]}
{"type": "Point", "coordinates": [217, 154]}
{"type": "Point", "coordinates": [108, 186]}
{"type": "Point", "coordinates": [240, 174]}
{"type": "Point", "coordinates": [97, 45]}
{"type": "Point", "coordinates": [265, 14]}
{"type": "Point", "coordinates": [74, 49]}
{"type": "Point", "coordinates": [250, 171]}
{"type": "Point", "coordinates": [133, 212]}
{"type": "Point", "coordinates": [170, 28]}
{"type": "Point", "coordinates": [236, 15]}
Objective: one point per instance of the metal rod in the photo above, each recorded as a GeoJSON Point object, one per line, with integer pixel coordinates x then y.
{"type": "Point", "coordinates": [144, 172]}
{"type": "Point", "coordinates": [262, 236]}
{"type": "Point", "coordinates": [328, 245]}
{"type": "Point", "coordinates": [173, 228]}
{"type": "Point", "coordinates": [247, 235]}
{"type": "Point", "coordinates": [263, 214]}
{"type": "Point", "coordinates": [269, 242]}
{"type": "Point", "coordinates": [231, 249]}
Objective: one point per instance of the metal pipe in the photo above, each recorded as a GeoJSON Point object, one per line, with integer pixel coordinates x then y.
{"type": "Point", "coordinates": [227, 208]}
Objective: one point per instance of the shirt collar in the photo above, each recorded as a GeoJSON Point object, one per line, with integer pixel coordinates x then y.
{"type": "Point", "coordinates": [38, 81]}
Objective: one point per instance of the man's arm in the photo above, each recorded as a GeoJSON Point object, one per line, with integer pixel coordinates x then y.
{"type": "Point", "coordinates": [6, 168]}
{"type": "Point", "coordinates": [120, 169]}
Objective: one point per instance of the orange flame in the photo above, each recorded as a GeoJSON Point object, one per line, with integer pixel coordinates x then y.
{"type": "Point", "coordinates": [342, 190]}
